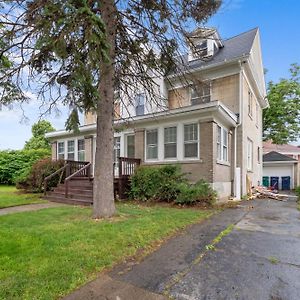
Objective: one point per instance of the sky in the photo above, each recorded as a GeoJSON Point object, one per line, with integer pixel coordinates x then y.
{"type": "Point", "coordinates": [279, 24]}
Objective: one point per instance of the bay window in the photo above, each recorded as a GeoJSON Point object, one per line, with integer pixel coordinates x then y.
{"type": "Point", "coordinates": [222, 144]}
{"type": "Point", "coordinates": [191, 141]}
{"type": "Point", "coordinates": [152, 144]}
{"type": "Point", "coordinates": [170, 142]}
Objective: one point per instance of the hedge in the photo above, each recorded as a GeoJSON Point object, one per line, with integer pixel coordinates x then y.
{"type": "Point", "coordinates": [13, 163]}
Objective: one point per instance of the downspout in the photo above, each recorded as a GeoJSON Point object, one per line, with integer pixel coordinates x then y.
{"type": "Point", "coordinates": [236, 127]}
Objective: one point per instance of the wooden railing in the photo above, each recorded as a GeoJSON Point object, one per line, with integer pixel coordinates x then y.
{"type": "Point", "coordinates": [84, 171]}
{"type": "Point", "coordinates": [71, 167]}
{"type": "Point", "coordinates": [126, 167]}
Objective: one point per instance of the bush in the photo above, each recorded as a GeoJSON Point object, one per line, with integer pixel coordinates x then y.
{"type": "Point", "coordinates": [168, 184]}
{"type": "Point", "coordinates": [200, 192]}
{"type": "Point", "coordinates": [33, 180]}
{"type": "Point", "coordinates": [156, 183]}
{"type": "Point", "coordinates": [14, 163]}
{"type": "Point", "coordinates": [297, 191]}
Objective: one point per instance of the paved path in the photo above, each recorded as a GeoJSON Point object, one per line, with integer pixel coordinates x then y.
{"type": "Point", "coordinates": [258, 259]}
{"type": "Point", "coordinates": [27, 207]}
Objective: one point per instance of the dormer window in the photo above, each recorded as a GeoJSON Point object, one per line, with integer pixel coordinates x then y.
{"type": "Point", "coordinates": [204, 43]}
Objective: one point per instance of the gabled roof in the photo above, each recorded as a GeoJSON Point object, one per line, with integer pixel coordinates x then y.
{"type": "Point", "coordinates": [234, 48]}
{"type": "Point", "coordinates": [286, 148]}
{"type": "Point", "coordinates": [274, 156]}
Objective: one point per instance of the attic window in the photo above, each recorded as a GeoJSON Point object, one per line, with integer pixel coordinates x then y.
{"type": "Point", "coordinates": [201, 49]}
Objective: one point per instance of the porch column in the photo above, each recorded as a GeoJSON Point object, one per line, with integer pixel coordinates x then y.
{"type": "Point", "coordinates": [54, 150]}
{"type": "Point", "coordinates": [140, 143]}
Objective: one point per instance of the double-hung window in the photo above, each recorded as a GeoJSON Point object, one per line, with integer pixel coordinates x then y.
{"type": "Point", "coordinates": [81, 150]}
{"type": "Point", "coordinates": [170, 142]}
{"type": "Point", "coordinates": [71, 150]}
{"type": "Point", "coordinates": [250, 104]}
{"type": "Point", "coordinates": [200, 93]}
{"type": "Point", "coordinates": [222, 144]}
{"type": "Point", "coordinates": [219, 143]}
{"type": "Point", "coordinates": [140, 104]}
{"type": "Point", "coordinates": [152, 144]}
{"type": "Point", "coordinates": [61, 150]}
{"type": "Point", "coordinates": [130, 143]}
{"type": "Point", "coordinates": [249, 155]}
{"type": "Point", "coordinates": [191, 140]}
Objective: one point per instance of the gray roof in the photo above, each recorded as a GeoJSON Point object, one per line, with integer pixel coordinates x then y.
{"type": "Point", "coordinates": [235, 47]}
{"type": "Point", "coordinates": [274, 156]}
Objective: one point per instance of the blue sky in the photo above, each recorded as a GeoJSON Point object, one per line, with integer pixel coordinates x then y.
{"type": "Point", "coordinates": [279, 24]}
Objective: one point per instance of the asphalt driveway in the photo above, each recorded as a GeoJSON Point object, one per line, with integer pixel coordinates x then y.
{"type": "Point", "coordinates": [258, 259]}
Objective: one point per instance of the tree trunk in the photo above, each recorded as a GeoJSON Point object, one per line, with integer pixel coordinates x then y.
{"type": "Point", "coordinates": [103, 198]}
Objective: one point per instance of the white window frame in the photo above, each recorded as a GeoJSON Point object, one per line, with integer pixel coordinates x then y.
{"type": "Point", "coordinates": [74, 149]}
{"type": "Point", "coordinates": [257, 114]}
{"type": "Point", "coordinates": [201, 96]}
{"type": "Point", "coordinates": [146, 145]}
{"type": "Point", "coordinates": [249, 154]}
{"type": "Point", "coordinates": [80, 151]}
{"type": "Point", "coordinates": [137, 104]}
{"type": "Point", "coordinates": [126, 143]}
{"type": "Point", "coordinates": [176, 143]}
{"type": "Point", "coordinates": [250, 104]}
{"type": "Point", "coordinates": [65, 141]}
{"type": "Point", "coordinates": [222, 145]}
{"type": "Point", "coordinates": [64, 150]}
{"type": "Point", "coordinates": [191, 142]}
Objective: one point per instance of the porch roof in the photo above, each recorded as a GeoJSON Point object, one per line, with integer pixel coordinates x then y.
{"type": "Point", "coordinates": [205, 110]}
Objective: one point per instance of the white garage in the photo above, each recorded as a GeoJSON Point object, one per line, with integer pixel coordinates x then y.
{"type": "Point", "coordinates": [279, 171]}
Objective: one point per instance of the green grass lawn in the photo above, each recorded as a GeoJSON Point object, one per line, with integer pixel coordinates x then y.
{"type": "Point", "coordinates": [10, 196]}
{"type": "Point", "coordinates": [48, 253]}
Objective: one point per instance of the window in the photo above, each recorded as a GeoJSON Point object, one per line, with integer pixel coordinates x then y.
{"type": "Point", "coordinates": [191, 141]}
{"type": "Point", "coordinates": [71, 150]}
{"type": "Point", "coordinates": [151, 144]}
{"type": "Point", "coordinates": [219, 141]}
{"type": "Point", "coordinates": [200, 93]}
{"type": "Point", "coordinates": [222, 144]}
{"type": "Point", "coordinates": [140, 104]}
{"type": "Point", "coordinates": [225, 145]}
{"type": "Point", "coordinates": [170, 142]}
{"type": "Point", "coordinates": [61, 150]}
{"type": "Point", "coordinates": [258, 155]}
{"type": "Point", "coordinates": [250, 104]}
{"type": "Point", "coordinates": [117, 149]}
{"type": "Point", "coordinates": [257, 114]}
{"type": "Point", "coordinates": [81, 150]}
{"type": "Point", "coordinates": [249, 155]}
{"type": "Point", "coordinates": [130, 146]}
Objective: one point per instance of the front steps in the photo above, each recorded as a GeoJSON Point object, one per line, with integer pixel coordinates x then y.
{"type": "Point", "coordinates": [80, 192]}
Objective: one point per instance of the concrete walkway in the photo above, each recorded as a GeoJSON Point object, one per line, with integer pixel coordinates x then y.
{"type": "Point", "coordinates": [258, 259]}
{"type": "Point", "coordinates": [27, 207]}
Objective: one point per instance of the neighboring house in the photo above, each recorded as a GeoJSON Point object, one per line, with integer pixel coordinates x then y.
{"type": "Point", "coordinates": [281, 165]}
{"type": "Point", "coordinates": [211, 123]}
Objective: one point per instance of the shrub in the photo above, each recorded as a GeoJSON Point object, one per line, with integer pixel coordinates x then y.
{"type": "Point", "coordinates": [297, 191]}
{"type": "Point", "coordinates": [156, 183]}
{"type": "Point", "coordinates": [14, 163]}
{"type": "Point", "coordinates": [33, 180]}
{"type": "Point", "coordinates": [200, 192]}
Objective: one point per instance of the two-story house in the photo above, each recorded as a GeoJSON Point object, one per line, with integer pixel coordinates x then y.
{"type": "Point", "coordinates": [211, 123]}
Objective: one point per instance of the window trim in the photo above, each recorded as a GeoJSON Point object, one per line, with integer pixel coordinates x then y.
{"type": "Point", "coordinates": [198, 141]}
{"type": "Point", "coordinates": [220, 159]}
{"type": "Point", "coordinates": [157, 145]}
{"type": "Point", "coordinates": [126, 143]}
{"type": "Point", "coordinates": [176, 143]}
{"type": "Point", "coordinates": [250, 104]}
{"type": "Point", "coordinates": [64, 150]}
{"type": "Point", "coordinates": [192, 87]}
{"type": "Point", "coordinates": [249, 142]}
